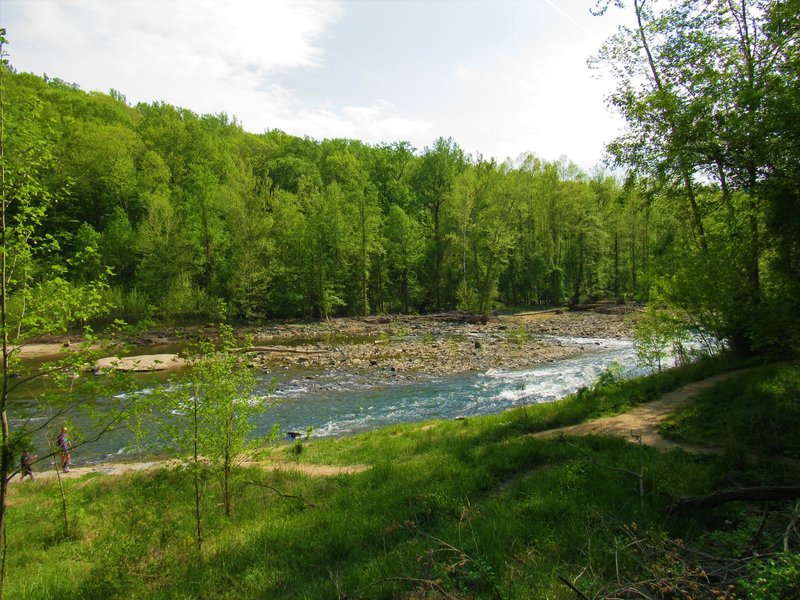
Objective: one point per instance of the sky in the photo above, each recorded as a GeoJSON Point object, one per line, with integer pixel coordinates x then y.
{"type": "Point", "coordinates": [502, 78]}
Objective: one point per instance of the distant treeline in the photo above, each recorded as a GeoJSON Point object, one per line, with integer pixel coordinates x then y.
{"type": "Point", "coordinates": [198, 218]}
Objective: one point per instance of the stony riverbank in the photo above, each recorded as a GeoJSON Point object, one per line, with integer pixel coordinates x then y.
{"type": "Point", "coordinates": [437, 345]}
{"type": "Point", "coordinates": [432, 344]}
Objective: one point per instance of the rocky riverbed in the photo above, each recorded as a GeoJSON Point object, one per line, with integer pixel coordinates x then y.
{"type": "Point", "coordinates": [435, 344]}
{"type": "Point", "coordinates": [398, 345]}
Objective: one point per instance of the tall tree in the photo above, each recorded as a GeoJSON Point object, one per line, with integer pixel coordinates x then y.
{"type": "Point", "coordinates": [695, 80]}
{"type": "Point", "coordinates": [36, 298]}
{"type": "Point", "coordinates": [433, 182]}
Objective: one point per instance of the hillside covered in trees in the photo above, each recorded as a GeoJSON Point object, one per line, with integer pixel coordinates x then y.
{"type": "Point", "coordinates": [163, 214]}
{"type": "Point", "coordinates": [197, 217]}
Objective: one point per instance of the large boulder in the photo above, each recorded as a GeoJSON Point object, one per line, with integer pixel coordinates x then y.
{"type": "Point", "coordinates": [141, 363]}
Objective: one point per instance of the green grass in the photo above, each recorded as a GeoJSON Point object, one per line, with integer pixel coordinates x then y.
{"type": "Point", "coordinates": [754, 411]}
{"type": "Point", "coordinates": [474, 508]}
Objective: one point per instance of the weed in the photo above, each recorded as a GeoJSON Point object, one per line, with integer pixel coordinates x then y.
{"type": "Point", "coordinates": [774, 578]}
{"type": "Point", "coordinates": [398, 329]}
{"type": "Point", "coordinates": [517, 335]}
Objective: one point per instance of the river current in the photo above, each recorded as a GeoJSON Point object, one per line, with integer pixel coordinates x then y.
{"type": "Point", "coordinates": [336, 403]}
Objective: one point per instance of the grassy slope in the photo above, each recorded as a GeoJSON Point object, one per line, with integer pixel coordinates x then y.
{"type": "Point", "coordinates": [476, 506]}
{"type": "Point", "coordinates": [758, 410]}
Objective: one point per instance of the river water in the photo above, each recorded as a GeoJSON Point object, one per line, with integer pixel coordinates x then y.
{"type": "Point", "coordinates": [335, 403]}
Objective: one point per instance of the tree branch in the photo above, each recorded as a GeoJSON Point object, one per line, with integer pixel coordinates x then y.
{"type": "Point", "coordinates": [428, 582]}
{"type": "Point", "coordinates": [566, 582]}
{"type": "Point", "coordinates": [280, 493]}
{"type": "Point", "coordinates": [753, 494]}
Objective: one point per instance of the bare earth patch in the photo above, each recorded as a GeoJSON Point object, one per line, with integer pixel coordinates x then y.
{"type": "Point", "coordinates": [132, 467]}
{"type": "Point", "coordinates": [142, 363]}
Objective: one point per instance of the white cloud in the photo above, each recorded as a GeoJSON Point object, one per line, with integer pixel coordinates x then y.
{"type": "Point", "coordinates": [543, 99]}
{"type": "Point", "coordinates": [208, 56]}
{"type": "Point", "coordinates": [238, 57]}
{"type": "Point", "coordinates": [200, 54]}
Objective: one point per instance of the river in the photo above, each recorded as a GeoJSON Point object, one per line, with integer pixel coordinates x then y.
{"type": "Point", "coordinates": [337, 402]}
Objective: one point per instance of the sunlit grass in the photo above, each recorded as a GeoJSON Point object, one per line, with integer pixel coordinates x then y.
{"type": "Point", "coordinates": [754, 411]}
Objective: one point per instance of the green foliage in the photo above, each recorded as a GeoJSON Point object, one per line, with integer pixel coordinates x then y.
{"type": "Point", "coordinates": [192, 212]}
{"type": "Point", "coordinates": [46, 287]}
{"type": "Point", "coordinates": [706, 105]}
{"type": "Point", "coordinates": [610, 376]}
{"type": "Point", "coordinates": [517, 335]}
{"type": "Point", "coordinates": [657, 334]}
{"type": "Point", "coordinates": [773, 578]}
{"type": "Point", "coordinates": [211, 415]}
{"type": "Point", "coordinates": [189, 211]}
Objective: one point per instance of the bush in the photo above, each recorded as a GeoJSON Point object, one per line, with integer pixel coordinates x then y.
{"type": "Point", "coordinates": [773, 578]}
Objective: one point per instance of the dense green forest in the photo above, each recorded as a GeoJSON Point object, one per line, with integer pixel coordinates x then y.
{"type": "Point", "coordinates": [198, 219]}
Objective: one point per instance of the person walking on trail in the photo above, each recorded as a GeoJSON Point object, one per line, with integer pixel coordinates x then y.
{"type": "Point", "coordinates": [63, 442]}
{"type": "Point", "coordinates": [26, 462]}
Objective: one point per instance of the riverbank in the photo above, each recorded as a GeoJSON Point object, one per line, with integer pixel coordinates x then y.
{"type": "Point", "coordinates": [643, 421]}
{"type": "Point", "coordinates": [437, 345]}
{"type": "Point", "coordinates": [425, 345]}
{"type": "Point", "coordinates": [474, 508]}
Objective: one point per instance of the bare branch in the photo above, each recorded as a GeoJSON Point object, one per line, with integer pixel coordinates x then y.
{"type": "Point", "coordinates": [578, 593]}
{"type": "Point", "coordinates": [280, 493]}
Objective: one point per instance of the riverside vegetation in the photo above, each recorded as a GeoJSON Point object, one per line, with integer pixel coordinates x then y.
{"type": "Point", "coordinates": [455, 509]}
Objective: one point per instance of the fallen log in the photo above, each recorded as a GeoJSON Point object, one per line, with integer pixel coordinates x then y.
{"type": "Point", "coordinates": [281, 349]}
{"type": "Point", "coordinates": [751, 494]}
{"type": "Point", "coordinates": [457, 317]}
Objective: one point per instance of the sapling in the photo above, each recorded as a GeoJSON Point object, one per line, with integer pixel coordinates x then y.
{"type": "Point", "coordinates": [209, 415]}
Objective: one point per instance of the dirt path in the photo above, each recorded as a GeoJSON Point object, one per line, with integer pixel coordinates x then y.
{"type": "Point", "coordinates": [644, 420]}
{"type": "Point", "coordinates": [131, 467]}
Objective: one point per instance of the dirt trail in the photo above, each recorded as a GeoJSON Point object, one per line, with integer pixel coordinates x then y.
{"type": "Point", "coordinates": [645, 419]}
{"type": "Point", "coordinates": [122, 468]}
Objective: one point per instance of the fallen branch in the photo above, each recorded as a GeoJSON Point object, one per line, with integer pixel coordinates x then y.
{"type": "Point", "coordinates": [790, 527]}
{"type": "Point", "coordinates": [752, 494]}
{"type": "Point", "coordinates": [566, 582]}
{"type": "Point", "coordinates": [280, 493]}
{"type": "Point", "coordinates": [639, 476]}
{"type": "Point", "coordinates": [431, 583]}
{"type": "Point", "coordinates": [281, 349]}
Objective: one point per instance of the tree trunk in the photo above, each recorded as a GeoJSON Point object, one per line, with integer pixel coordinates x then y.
{"type": "Point", "coordinates": [4, 454]}
{"type": "Point", "coordinates": [226, 473]}
{"type": "Point", "coordinates": [753, 494]}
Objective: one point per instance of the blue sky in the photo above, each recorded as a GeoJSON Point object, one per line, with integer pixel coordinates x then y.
{"type": "Point", "coordinates": [502, 78]}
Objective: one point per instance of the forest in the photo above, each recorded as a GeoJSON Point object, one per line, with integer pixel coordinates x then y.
{"type": "Point", "coordinates": [199, 219]}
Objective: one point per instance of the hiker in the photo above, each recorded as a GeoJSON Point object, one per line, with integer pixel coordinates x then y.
{"type": "Point", "coordinates": [26, 461]}
{"type": "Point", "coordinates": [63, 442]}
